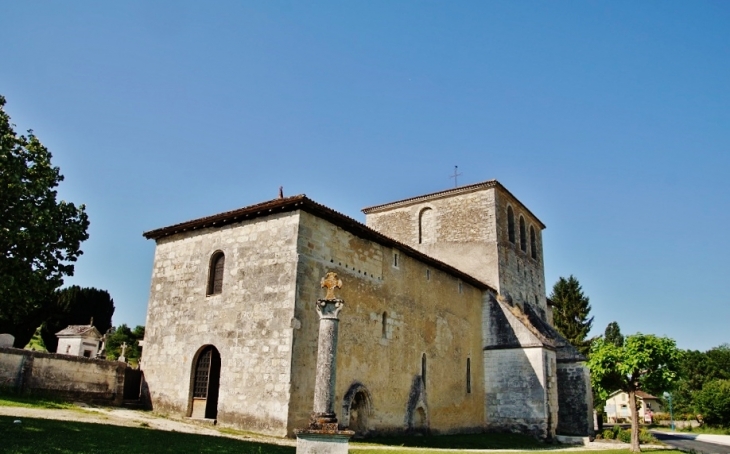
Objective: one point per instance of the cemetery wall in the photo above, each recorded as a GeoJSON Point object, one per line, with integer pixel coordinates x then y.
{"type": "Point", "coordinates": [64, 376]}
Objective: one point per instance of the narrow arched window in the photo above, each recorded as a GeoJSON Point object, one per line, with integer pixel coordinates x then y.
{"type": "Point", "coordinates": [215, 274]}
{"type": "Point", "coordinates": [533, 243]}
{"type": "Point", "coordinates": [426, 227]}
{"type": "Point", "coordinates": [423, 369]}
{"type": "Point", "coordinates": [468, 375]}
{"type": "Point", "coordinates": [511, 224]}
{"type": "Point", "coordinates": [523, 235]}
{"type": "Point", "coordinates": [385, 326]}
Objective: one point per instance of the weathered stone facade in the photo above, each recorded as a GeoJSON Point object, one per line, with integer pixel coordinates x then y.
{"type": "Point", "coordinates": [444, 331]}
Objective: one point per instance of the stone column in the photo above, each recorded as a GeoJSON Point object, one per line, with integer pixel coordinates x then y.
{"type": "Point", "coordinates": [323, 411]}
{"type": "Point", "coordinates": [322, 436]}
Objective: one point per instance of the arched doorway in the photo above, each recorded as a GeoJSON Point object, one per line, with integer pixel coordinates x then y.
{"type": "Point", "coordinates": [359, 410]}
{"type": "Point", "coordinates": [205, 383]}
{"type": "Point", "coordinates": [356, 409]}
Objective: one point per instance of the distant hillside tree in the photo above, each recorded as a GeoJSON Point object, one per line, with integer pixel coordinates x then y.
{"type": "Point", "coordinates": [40, 236]}
{"type": "Point", "coordinates": [123, 334]}
{"type": "Point", "coordinates": [613, 334]}
{"type": "Point", "coordinates": [643, 363]}
{"type": "Point", "coordinates": [77, 306]}
{"type": "Point", "coordinates": [570, 313]}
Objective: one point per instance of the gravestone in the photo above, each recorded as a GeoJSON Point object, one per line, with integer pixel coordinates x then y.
{"type": "Point", "coordinates": [322, 436]}
{"type": "Point", "coordinates": [7, 340]}
{"type": "Point", "coordinates": [123, 358]}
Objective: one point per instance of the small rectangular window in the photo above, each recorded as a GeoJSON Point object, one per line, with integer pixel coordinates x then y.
{"type": "Point", "coordinates": [461, 287]}
{"type": "Point", "coordinates": [428, 275]}
{"type": "Point", "coordinates": [87, 353]}
{"type": "Point", "coordinates": [395, 259]}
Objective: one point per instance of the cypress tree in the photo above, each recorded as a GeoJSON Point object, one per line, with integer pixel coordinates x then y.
{"type": "Point", "coordinates": [570, 313]}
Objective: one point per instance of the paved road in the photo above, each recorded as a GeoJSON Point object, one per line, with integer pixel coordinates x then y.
{"type": "Point", "coordinates": [686, 442]}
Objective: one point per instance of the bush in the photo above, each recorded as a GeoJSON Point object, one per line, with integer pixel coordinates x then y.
{"type": "Point", "coordinates": [624, 435]}
{"type": "Point", "coordinates": [608, 434]}
{"type": "Point", "coordinates": [713, 402]}
{"type": "Point", "coordinates": [645, 437]}
{"type": "Point", "coordinates": [661, 417]}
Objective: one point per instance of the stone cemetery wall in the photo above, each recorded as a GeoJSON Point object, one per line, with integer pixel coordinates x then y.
{"type": "Point", "coordinates": [63, 376]}
{"type": "Point", "coordinates": [400, 317]}
{"type": "Point", "coordinates": [249, 322]}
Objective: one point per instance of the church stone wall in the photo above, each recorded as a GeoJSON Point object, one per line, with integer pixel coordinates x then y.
{"type": "Point", "coordinates": [249, 323]}
{"type": "Point", "coordinates": [458, 229]}
{"type": "Point", "coordinates": [425, 313]}
{"type": "Point", "coordinates": [575, 399]}
{"type": "Point", "coordinates": [521, 388]}
{"type": "Point", "coordinates": [519, 274]}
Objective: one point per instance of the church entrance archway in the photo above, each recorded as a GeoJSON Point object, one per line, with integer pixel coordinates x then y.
{"type": "Point", "coordinates": [205, 382]}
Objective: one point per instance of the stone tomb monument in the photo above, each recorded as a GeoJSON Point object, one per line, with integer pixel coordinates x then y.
{"type": "Point", "coordinates": [322, 436]}
{"type": "Point", "coordinates": [6, 340]}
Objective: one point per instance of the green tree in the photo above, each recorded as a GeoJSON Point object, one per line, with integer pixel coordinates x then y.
{"type": "Point", "coordinates": [713, 402]}
{"type": "Point", "coordinates": [643, 363]}
{"type": "Point", "coordinates": [40, 237]}
{"type": "Point", "coordinates": [570, 313]}
{"type": "Point", "coordinates": [77, 306]}
{"type": "Point", "coordinates": [613, 334]}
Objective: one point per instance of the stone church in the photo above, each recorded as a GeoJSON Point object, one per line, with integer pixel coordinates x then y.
{"type": "Point", "coordinates": [445, 328]}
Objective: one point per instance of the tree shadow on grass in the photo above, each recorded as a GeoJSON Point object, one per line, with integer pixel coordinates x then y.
{"type": "Point", "coordinates": [52, 436]}
{"type": "Point", "coordinates": [464, 441]}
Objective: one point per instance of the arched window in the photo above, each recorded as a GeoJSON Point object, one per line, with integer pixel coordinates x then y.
{"type": "Point", "coordinates": [423, 370]}
{"type": "Point", "coordinates": [511, 224]}
{"type": "Point", "coordinates": [468, 375]}
{"type": "Point", "coordinates": [426, 227]}
{"type": "Point", "coordinates": [385, 325]}
{"type": "Point", "coordinates": [523, 235]}
{"type": "Point", "coordinates": [215, 273]}
{"type": "Point", "coordinates": [533, 243]}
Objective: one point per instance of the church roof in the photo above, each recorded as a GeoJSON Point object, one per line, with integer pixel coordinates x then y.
{"type": "Point", "coordinates": [302, 202]}
{"type": "Point", "coordinates": [449, 193]}
{"type": "Point", "coordinates": [79, 331]}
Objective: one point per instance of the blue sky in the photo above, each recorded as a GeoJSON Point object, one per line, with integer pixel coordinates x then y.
{"type": "Point", "coordinates": [610, 120]}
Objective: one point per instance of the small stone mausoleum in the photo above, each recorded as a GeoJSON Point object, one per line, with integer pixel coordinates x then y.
{"type": "Point", "coordinates": [446, 327]}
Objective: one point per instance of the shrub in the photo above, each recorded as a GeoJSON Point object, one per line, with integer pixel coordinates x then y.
{"type": "Point", "coordinates": [608, 434]}
{"type": "Point", "coordinates": [645, 436]}
{"type": "Point", "coordinates": [624, 435]}
{"type": "Point", "coordinates": [661, 417]}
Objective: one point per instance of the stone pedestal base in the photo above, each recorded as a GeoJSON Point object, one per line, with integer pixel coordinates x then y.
{"type": "Point", "coordinates": [323, 441]}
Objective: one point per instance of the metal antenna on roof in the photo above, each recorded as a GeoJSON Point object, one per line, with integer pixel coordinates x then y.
{"type": "Point", "coordinates": [91, 323]}
{"type": "Point", "coordinates": [455, 176]}
{"type": "Point", "coordinates": [281, 192]}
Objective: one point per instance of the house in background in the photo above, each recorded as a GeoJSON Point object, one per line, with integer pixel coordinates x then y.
{"type": "Point", "coordinates": [617, 406]}
{"type": "Point", "coordinates": [79, 340]}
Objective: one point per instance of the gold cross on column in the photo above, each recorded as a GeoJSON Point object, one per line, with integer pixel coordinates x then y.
{"type": "Point", "coordinates": [331, 282]}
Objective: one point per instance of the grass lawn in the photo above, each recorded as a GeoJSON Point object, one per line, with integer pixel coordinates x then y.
{"type": "Point", "coordinates": [14, 400]}
{"type": "Point", "coordinates": [52, 436]}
